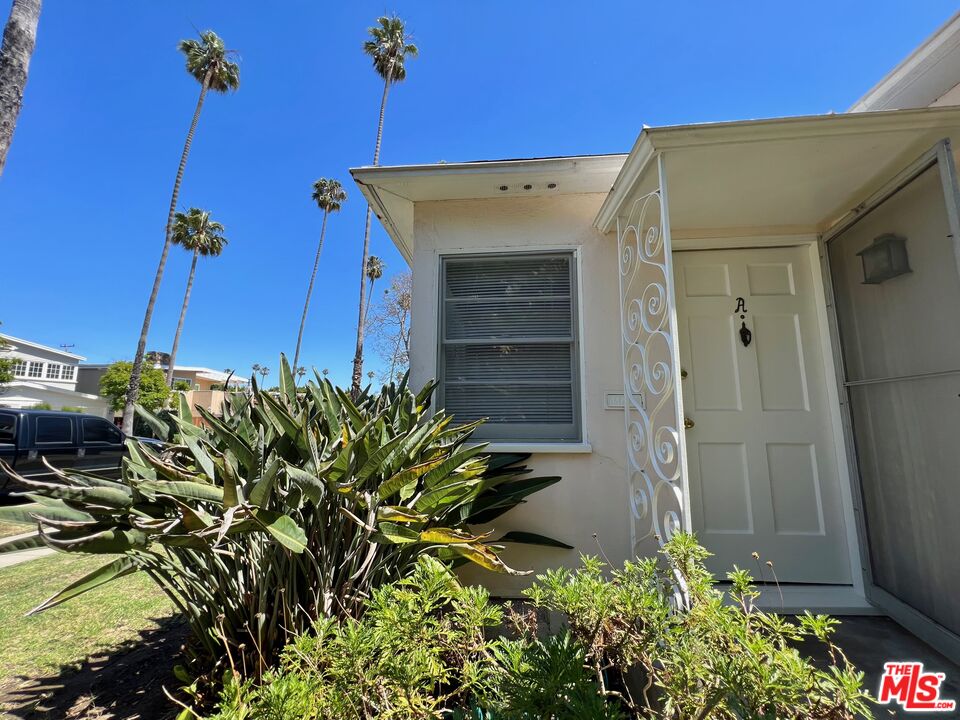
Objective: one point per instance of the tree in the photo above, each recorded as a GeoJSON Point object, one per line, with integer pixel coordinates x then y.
{"type": "Point", "coordinates": [6, 364]}
{"type": "Point", "coordinates": [388, 47]}
{"type": "Point", "coordinates": [152, 392]}
{"type": "Point", "coordinates": [19, 39]}
{"type": "Point", "coordinates": [390, 326]}
{"type": "Point", "coordinates": [375, 267]}
{"type": "Point", "coordinates": [208, 61]}
{"type": "Point", "coordinates": [196, 232]}
{"type": "Point", "coordinates": [329, 196]}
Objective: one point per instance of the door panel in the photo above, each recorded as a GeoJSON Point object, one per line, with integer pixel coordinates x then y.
{"type": "Point", "coordinates": [763, 474]}
{"type": "Point", "coordinates": [901, 349]}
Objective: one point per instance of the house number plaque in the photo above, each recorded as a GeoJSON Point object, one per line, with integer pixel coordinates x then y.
{"type": "Point", "coordinates": [741, 309]}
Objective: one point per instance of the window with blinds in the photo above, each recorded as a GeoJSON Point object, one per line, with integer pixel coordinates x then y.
{"type": "Point", "coordinates": [508, 345]}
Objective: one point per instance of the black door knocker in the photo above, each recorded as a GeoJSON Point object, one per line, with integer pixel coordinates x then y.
{"type": "Point", "coordinates": [745, 335]}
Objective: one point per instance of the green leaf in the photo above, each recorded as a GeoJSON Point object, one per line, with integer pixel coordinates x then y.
{"type": "Point", "coordinates": [397, 534]}
{"type": "Point", "coordinates": [446, 536]}
{"type": "Point", "coordinates": [98, 540]}
{"type": "Point", "coordinates": [392, 513]}
{"type": "Point", "coordinates": [184, 412]}
{"type": "Point", "coordinates": [405, 477]}
{"type": "Point", "coordinates": [159, 427]}
{"type": "Point", "coordinates": [27, 543]}
{"type": "Point", "coordinates": [100, 576]}
{"type": "Point", "coordinates": [283, 529]}
{"type": "Point", "coordinates": [182, 489]}
{"type": "Point", "coordinates": [485, 557]}
{"type": "Point", "coordinates": [27, 514]}
{"type": "Point", "coordinates": [288, 387]}
{"type": "Point", "coordinates": [528, 538]}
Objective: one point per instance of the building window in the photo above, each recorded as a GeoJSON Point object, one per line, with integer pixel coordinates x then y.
{"type": "Point", "coordinates": [509, 347]}
{"type": "Point", "coordinates": [19, 368]}
{"type": "Point", "coordinates": [67, 372]}
{"type": "Point", "coordinates": [35, 369]}
{"type": "Point", "coordinates": [53, 371]}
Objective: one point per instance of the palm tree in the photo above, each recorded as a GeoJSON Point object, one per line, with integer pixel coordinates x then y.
{"type": "Point", "coordinates": [19, 39]}
{"type": "Point", "coordinates": [196, 232]}
{"type": "Point", "coordinates": [208, 61]}
{"type": "Point", "coordinates": [375, 267]}
{"type": "Point", "coordinates": [329, 196]}
{"type": "Point", "coordinates": [388, 47]}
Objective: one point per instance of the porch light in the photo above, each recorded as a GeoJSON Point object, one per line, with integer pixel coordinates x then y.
{"type": "Point", "coordinates": [885, 258]}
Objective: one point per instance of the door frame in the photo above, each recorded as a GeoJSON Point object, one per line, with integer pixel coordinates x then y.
{"type": "Point", "coordinates": [824, 597]}
{"type": "Point", "coordinates": [940, 156]}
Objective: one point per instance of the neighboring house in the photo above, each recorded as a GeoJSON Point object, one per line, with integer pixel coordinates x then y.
{"type": "Point", "coordinates": [201, 380]}
{"type": "Point", "coordinates": [46, 375]}
{"type": "Point", "coordinates": [746, 329]}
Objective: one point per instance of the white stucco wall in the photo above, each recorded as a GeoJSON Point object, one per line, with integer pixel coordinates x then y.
{"type": "Point", "coordinates": [592, 497]}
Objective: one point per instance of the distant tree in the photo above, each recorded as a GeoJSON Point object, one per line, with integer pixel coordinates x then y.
{"type": "Point", "coordinates": [6, 364]}
{"type": "Point", "coordinates": [19, 39]}
{"type": "Point", "coordinates": [390, 326]}
{"type": "Point", "coordinates": [388, 48]}
{"type": "Point", "coordinates": [152, 392]}
{"type": "Point", "coordinates": [329, 196]}
{"type": "Point", "coordinates": [182, 386]}
{"type": "Point", "coordinates": [195, 232]}
{"type": "Point", "coordinates": [156, 357]}
{"type": "Point", "coordinates": [375, 268]}
{"type": "Point", "coordinates": [208, 61]}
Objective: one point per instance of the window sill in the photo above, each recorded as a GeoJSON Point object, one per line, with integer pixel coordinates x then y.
{"type": "Point", "coordinates": [541, 448]}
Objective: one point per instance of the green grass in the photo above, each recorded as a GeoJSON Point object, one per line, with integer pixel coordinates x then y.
{"type": "Point", "coordinates": [8, 529]}
{"type": "Point", "coordinates": [66, 635]}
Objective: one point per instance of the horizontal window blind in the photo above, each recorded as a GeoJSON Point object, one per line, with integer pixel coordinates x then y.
{"type": "Point", "coordinates": [508, 345]}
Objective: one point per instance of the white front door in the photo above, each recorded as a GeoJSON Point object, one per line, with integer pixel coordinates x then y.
{"type": "Point", "coordinates": [760, 450]}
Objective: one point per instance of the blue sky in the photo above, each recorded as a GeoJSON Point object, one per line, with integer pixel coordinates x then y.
{"type": "Point", "coordinates": [84, 195]}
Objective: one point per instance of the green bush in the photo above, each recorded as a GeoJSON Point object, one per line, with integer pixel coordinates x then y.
{"type": "Point", "coordinates": [182, 386]}
{"type": "Point", "coordinates": [634, 647]}
{"type": "Point", "coordinates": [71, 409]}
{"type": "Point", "coordinates": [289, 508]}
{"type": "Point", "coordinates": [41, 406]}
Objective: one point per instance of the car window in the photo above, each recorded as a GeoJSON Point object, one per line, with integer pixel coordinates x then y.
{"type": "Point", "coordinates": [97, 430]}
{"type": "Point", "coordinates": [8, 428]}
{"type": "Point", "coordinates": [54, 430]}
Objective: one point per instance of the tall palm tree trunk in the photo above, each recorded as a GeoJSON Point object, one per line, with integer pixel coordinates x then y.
{"type": "Point", "coordinates": [19, 39]}
{"type": "Point", "coordinates": [183, 315]}
{"type": "Point", "coordinates": [306, 304]}
{"type": "Point", "coordinates": [133, 391]}
{"type": "Point", "coordinates": [358, 356]}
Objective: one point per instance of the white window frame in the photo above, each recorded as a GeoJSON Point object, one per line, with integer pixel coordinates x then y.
{"type": "Point", "coordinates": [68, 372]}
{"type": "Point", "coordinates": [580, 445]}
{"type": "Point", "coordinates": [52, 371]}
{"type": "Point", "coordinates": [19, 368]}
{"type": "Point", "coordinates": [35, 369]}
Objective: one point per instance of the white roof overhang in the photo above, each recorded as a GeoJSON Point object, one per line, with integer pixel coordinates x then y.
{"type": "Point", "coordinates": [773, 177]}
{"type": "Point", "coordinates": [393, 190]}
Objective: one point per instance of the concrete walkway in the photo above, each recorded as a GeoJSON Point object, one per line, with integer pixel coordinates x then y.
{"type": "Point", "coordinates": [15, 558]}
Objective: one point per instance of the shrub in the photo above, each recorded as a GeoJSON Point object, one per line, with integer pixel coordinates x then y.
{"type": "Point", "coordinates": [154, 390]}
{"type": "Point", "coordinates": [71, 409]}
{"type": "Point", "coordinates": [426, 648]}
{"type": "Point", "coordinates": [182, 386]}
{"type": "Point", "coordinates": [287, 509]}
{"type": "Point", "coordinates": [41, 406]}
{"type": "Point", "coordinates": [699, 656]}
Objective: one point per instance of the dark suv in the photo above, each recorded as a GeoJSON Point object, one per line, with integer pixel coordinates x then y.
{"type": "Point", "coordinates": [66, 440]}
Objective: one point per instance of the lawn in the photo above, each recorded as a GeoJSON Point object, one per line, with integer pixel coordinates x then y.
{"type": "Point", "coordinates": [8, 529]}
{"type": "Point", "coordinates": [64, 636]}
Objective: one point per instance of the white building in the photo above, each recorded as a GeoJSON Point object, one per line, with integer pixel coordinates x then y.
{"type": "Point", "coordinates": [46, 375]}
{"type": "Point", "coordinates": [745, 329]}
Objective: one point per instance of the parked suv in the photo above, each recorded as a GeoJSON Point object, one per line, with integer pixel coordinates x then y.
{"type": "Point", "coordinates": [67, 440]}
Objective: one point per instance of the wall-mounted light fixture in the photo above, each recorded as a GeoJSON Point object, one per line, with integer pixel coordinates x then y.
{"type": "Point", "coordinates": [885, 258]}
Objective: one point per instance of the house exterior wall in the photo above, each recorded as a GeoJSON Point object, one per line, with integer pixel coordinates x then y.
{"type": "Point", "coordinates": [46, 358]}
{"type": "Point", "coordinates": [591, 499]}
